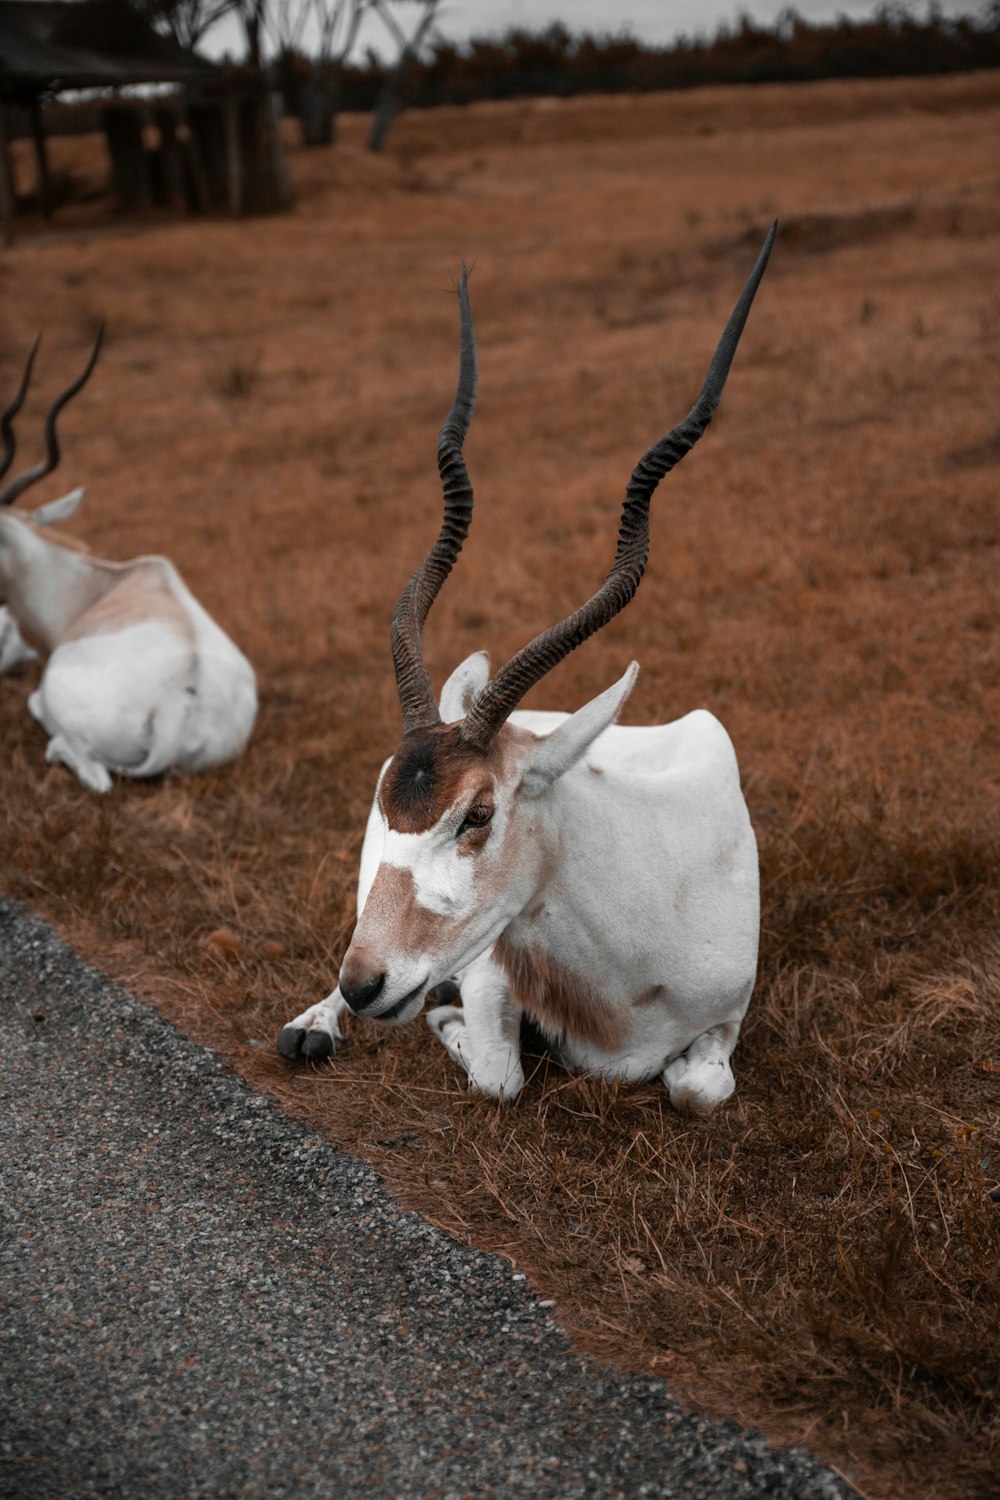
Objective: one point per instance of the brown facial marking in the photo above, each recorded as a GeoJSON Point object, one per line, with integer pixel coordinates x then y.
{"type": "Point", "coordinates": [393, 918]}
{"type": "Point", "coordinates": [424, 778]}
{"type": "Point", "coordinates": [562, 1003]}
{"type": "Point", "coordinates": [429, 771]}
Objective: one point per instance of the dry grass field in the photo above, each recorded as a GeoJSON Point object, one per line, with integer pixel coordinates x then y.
{"type": "Point", "coordinates": [821, 1257]}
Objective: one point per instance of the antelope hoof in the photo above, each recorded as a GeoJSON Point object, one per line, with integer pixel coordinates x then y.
{"type": "Point", "coordinates": [700, 1087]}
{"type": "Point", "coordinates": [312, 1043]}
{"type": "Point", "coordinates": [291, 1039]}
{"type": "Point", "coordinates": [317, 1045]}
{"type": "Point", "coordinates": [314, 1034]}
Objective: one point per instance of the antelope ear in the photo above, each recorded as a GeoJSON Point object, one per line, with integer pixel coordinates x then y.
{"type": "Point", "coordinates": [558, 751]}
{"type": "Point", "coordinates": [464, 684]}
{"type": "Point", "coordinates": [58, 510]}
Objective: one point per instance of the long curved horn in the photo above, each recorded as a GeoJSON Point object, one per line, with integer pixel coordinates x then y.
{"type": "Point", "coordinates": [16, 487]}
{"type": "Point", "coordinates": [416, 696]}
{"type": "Point", "coordinates": [499, 698]}
{"type": "Point", "coordinates": [7, 417]}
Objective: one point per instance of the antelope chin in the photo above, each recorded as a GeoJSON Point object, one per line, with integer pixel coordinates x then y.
{"type": "Point", "coordinates": [406, 1008]}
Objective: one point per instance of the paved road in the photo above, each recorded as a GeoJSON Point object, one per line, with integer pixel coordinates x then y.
{"type": "Point", "coordinates": [200, 1298]}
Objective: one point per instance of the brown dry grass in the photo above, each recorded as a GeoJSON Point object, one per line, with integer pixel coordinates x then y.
{"type": "Point", "coordinates": [820, 1257]}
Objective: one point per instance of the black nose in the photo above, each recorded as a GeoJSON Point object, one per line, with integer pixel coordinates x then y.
{"type": "Point", "coordinates": [361, 997]}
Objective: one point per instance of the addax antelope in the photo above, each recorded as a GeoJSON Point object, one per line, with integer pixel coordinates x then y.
{"type": "Point", "coordinates": [602, 879]}
{"type": "Point", "coordinates": [138, 678]}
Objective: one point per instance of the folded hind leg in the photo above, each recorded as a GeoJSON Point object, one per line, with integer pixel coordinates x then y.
{"type": "Point", "coordinates": [701, 1078]}
{"type": "Point", "coordinates": [67, 750]}
{"type": "Point", "coordinates": [78, 735]}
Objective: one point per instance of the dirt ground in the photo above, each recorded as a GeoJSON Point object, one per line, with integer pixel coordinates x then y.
{"type": "Point", "coordinates": [821, 1257]}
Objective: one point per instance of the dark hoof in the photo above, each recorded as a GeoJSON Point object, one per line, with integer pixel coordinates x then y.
{"type": "Point", "coordinates": [447, 993]}
{"type": "Point", "coordinates": [317, 1045]}
{"type": "Point", "coordinates": [290, 1040]}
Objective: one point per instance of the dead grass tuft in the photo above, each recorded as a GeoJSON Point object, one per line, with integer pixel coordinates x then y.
{"type": "Point", "coordinates": [235, 381]}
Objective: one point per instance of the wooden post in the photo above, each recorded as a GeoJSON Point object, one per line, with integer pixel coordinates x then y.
{"type": "Point", "coordinates": [123, 130]}
{"type": "Point", "coordinates": [6, 182]}
{"type": "Point", "coordinates": [208, 155]}
{"type": "Point", "coordinates": [171, 162]}
{"type": "Point", "coordinates": [279, 163]}
{"type": "Point", "coordinates": [234, 156]}
{"type": "Point", "coordinates": [41, 158]}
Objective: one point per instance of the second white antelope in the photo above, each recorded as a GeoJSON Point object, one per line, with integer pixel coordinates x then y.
{"type": "Point", "coordinates": [138, 678]}
{"type": "Point", "coordinates": [601, 879]}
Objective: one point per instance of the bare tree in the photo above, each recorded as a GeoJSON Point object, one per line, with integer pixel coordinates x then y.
{"type": "Point", "coordinates": [391, 96]}
{"type": "Point", "coordinates": [188, 21]}
{"type": "Point", "coordinates": [254, 15]}
{"type": "Point", "coordinates": [319, 34]}
{"type": "Point", "coordinates": [331, 28]}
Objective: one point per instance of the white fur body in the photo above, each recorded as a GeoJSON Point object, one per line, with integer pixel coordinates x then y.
{"type": "Point", "coordinates": [626, 857]}
{"type": "Point", "coordinates": [138, 677]}
{"type": "Point", "coordinates": [656, 887]}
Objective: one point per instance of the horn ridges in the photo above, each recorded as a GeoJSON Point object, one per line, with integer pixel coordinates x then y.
{"type": "Point", "coordinates": [16, 487]}
{"type": "Point", "coordinates": [416, 695]}
{"type": "Point", "coordinates": [500, 697]}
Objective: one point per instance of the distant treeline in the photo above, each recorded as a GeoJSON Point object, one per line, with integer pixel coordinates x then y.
{"type": "Point", "coordinates": [520, 64]}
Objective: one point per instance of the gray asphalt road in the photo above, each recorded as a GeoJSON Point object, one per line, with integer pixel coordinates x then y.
{"type": "Point", "coordinates": [199, 1298]}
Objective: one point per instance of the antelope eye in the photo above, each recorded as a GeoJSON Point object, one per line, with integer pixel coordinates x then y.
{"type": "Point", "coordinates": [477, 817]}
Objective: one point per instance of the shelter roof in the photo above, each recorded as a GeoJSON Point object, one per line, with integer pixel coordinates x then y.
{"type": "Point", "coordinates": [74, 44]}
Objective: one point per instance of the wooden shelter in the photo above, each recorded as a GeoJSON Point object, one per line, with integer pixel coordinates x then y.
{"type": "Point", "coordinates": [217, 143]}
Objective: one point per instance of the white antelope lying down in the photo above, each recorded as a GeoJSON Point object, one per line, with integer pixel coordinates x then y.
{"type": "Point", "coordinates": [601, 879]}
{"type": "Point", "coordinates": [138, 677]}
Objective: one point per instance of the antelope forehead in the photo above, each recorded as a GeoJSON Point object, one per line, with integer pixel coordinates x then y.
{"type": "Point", "coordinates": [430, 775]}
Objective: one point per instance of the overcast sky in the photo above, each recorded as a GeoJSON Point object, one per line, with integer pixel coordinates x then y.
{"type": "Point", "coordinates": [655, 21]}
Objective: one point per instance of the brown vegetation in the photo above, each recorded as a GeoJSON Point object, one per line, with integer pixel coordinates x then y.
{"type": "Point", "coordinates": [821, 1256]}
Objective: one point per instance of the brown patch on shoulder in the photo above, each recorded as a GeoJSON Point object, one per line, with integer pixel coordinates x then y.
{"type": "Point", "coordinates": [134, 593]}
{"type": "Point", "coordinates": [652, 996]}
{"type": "Point", "coordinates": [562, 1003]}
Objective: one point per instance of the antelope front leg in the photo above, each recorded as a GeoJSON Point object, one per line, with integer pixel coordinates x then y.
{"type": "Point", "coordinates": [484, 1033]}
{"type": "Point", "coordinates": [701, 1078]}
{"type": "Point", "coordinates": [316, 1032]}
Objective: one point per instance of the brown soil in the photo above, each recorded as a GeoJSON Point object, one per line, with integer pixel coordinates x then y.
{"type": "Point", "coordinates": [819, 1258]}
